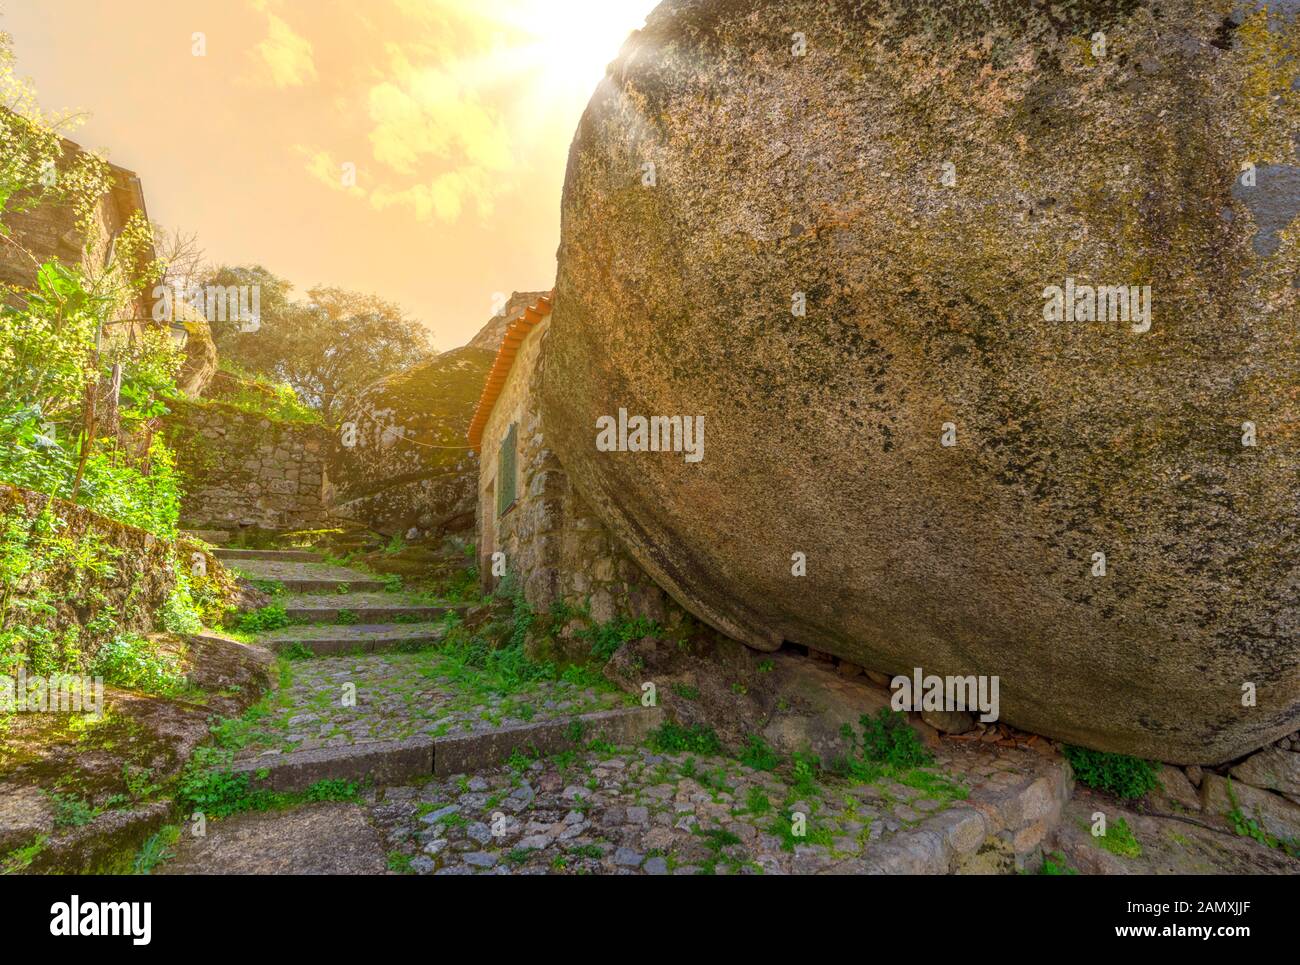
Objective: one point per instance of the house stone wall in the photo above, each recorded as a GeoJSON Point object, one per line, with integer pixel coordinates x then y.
{"type": "Point", "coordinates": [49, 231]}
{"type": "Point", "coordinates": [555, 547]}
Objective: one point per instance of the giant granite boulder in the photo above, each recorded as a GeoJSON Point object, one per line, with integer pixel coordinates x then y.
{"type": "Point", "coordinates": [832, 230]}
{"type": "Point", "coordinates": [401, 461]}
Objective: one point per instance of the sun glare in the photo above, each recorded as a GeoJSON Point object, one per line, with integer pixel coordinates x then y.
{"type": "Point", "coordinates": [572, 41]}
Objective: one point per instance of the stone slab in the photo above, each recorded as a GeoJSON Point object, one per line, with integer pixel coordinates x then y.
{"type": "Point", "coordinates": [316, 839]}
{"type": "Point", "coordinates": [381, 762]}
{"type": "Point", "coordinates": [463, 754]}
{"type": "Point", "coordinates": [284, 556]}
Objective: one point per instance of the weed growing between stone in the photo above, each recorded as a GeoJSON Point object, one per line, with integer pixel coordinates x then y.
{"type": "Point", "coordinates": [886, 741]}
{"type": "Point", "coordinates": [156, 849]}
{"type": "Point", "coordinates": [20, 858]}
{"type": "Point", "coordinates": [1119, 839]}
{"type": "Point", "coordinates": [208, 786]}
{"type": "Point", "coordinates": [1055, 863]}
{"type": "Point", "coordinates": [1120, 774]}
{"type": "Point", "coordinates": [673, 738]}
{"type": "Point", "coordinates": [269, 617]}
{"type": "Point", "coordinates": [605, 639]}
{"type": "Point", "coordinates": [757, 754]}
{"type": "Point", "coordinates": [1248, 827]}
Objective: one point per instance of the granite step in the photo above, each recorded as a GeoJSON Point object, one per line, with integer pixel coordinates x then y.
{"type": "Point", "coordinates": [285, 556]}
{"type": "Point", "coordinates": [369, 608]}
{"type": "Point", "coordinates": [305, 577]}
{"type": "Point", "coordinates": [355, 638]}
{"type": "Point", "coordinates": [399, 761]}
{"type": "Point", "coordinates": [366, 614]}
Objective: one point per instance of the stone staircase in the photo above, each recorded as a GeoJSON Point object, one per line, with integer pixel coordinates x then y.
{"type": "Point", "coordinates": [335, 609]}
{"type": "Point", "coordinates": [420, 740]}
{"type": "Point", "coordinates": [460, 778]}
{"type": "Point", "coordinates": [298, 571]}
{"type": "Point", "coordinates": [410, 723]}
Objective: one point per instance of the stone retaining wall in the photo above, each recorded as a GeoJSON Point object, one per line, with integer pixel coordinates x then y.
{"type": "Point", "coordinates": [242, 470]}
{"type": "Point", "coordinates": [118, 579]}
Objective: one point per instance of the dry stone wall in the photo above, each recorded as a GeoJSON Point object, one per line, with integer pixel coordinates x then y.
{"type": "Point", "coordinates": [90, 578]}
{"type": "Point", "coordinates": [241, 470]}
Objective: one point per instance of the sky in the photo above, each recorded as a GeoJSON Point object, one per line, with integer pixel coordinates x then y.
{"type": "Point", "coordinates": [414, 149]}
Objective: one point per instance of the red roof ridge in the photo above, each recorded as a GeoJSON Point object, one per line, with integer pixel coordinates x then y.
{"type": "Point", "coordinates": [516, 332]}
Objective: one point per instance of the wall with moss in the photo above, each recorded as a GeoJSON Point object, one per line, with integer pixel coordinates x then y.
{"type": "Point", "coordinates": [242, 469]}
{"type": "Point", "coordinates": [401, 463]}
{"type": "Point", "coordinates": [73, 580]}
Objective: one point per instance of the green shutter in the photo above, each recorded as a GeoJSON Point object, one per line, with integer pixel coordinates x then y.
{"type": "Point", "coordinates": [506, 472]}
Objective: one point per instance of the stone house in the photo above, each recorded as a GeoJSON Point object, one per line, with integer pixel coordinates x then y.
{"type": "Point", "coordinates": [551, 542]}
{"type": "Point", "coordinates": [50, 230]}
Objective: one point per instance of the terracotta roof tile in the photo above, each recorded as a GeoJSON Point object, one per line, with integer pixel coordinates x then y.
{"type": "Point", "coordinates": [502, 364]}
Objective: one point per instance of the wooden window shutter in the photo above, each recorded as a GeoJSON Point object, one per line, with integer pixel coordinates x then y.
{"type": "Point", "coordinates": [507, 472]}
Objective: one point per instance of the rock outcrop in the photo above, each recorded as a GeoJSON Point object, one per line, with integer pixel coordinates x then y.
{"type": "Point", "coordinates": [402, 465]}
{"type": "Point", "coordinates": [491, 334]}
{"type": "Point", "coordinates": [831, 230]}
{"type": "Point", "coordinates": [93, 579]}
{"type": "Point", "coordinates": [200, 365]}
{"type": "Point", "coordinates": [402, 461]}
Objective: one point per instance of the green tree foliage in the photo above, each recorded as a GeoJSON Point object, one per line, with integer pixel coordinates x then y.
{"type": "Point", "coordinates": [60, 336]}
{"type": "Point", "coordinates": [68, 341]}
{"type": "Point", "coordinates": [328, 346]}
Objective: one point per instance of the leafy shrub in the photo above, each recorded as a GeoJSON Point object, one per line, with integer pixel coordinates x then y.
{"type": "Point", "coordinates": [269, 617]}
{"type": "Point", "coordinates": [180, 614]}
{"type": "Point", "coordinates": [259, 395]}
{"type": "Point", "coordinates": [129, 660]}
{"type": "Point", "coordinates": [1120, 774]}
{"type": "Point", "coordinates": [53, 336]}
{"type": "Point", "coordinates": [672, 738]}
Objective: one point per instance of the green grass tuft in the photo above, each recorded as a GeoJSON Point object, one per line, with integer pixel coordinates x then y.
{"type": "Point", "coordinates": [674, 739]}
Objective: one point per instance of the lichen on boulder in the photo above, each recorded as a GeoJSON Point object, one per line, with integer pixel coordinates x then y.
{"type": "Point", "coordinates": [829, 227]}
{"type": "Point", "coordinates": [401, 461]}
